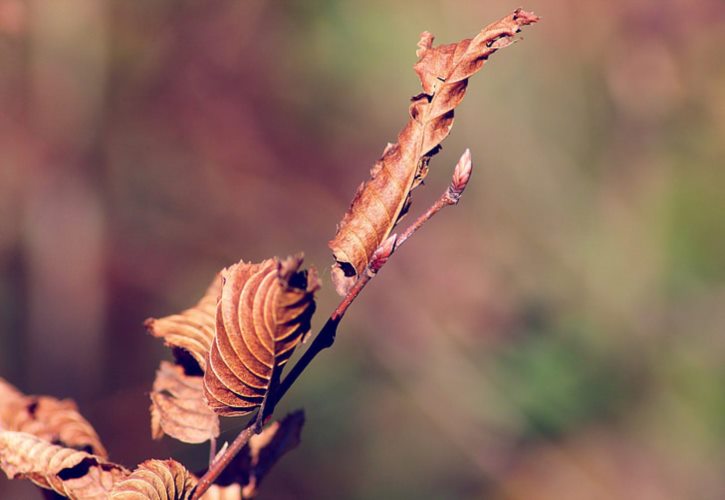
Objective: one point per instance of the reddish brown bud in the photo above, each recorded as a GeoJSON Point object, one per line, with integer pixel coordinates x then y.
{"type": "Point", "coordinates": [461, 176]}
{"type": "Point", "coordinates": [382, 254]}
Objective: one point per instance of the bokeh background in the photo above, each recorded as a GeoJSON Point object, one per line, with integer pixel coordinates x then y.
{"type": "Point", "coordinates": [559, 334]}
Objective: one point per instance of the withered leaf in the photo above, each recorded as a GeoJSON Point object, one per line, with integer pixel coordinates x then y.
{"type": "Point", "coordinates": [56, 421]}
{"type": "Point", "coordinates": [156, 479]}
{"type": "Point", "coordinates": [380, 202]}
{"type": "Point", "coordinates": [191, 330]}
{"type": "Point", "coordinates": [69, 472]}
{"type": "Point", "coordinates": [178, 407]}
{"type": "Point", "coordinates": [264, 311]}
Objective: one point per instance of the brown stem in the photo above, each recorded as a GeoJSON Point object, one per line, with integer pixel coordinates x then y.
{"type": "Point", "coordinates": [221, 462]}
{"type": "Point", "coordinates": [439, 204]}
{"type": "Point", "coordinates": [326, 337]}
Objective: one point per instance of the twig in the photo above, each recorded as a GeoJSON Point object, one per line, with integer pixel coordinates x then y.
{"type": "Point", "coordinates": [326, 337]}
{"type": "Point", "coordinates": [221, 462]}
{"type": "Point", "coordinates": [461, 176]}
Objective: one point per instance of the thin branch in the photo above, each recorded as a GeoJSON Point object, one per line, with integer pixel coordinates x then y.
{"type": "Point", "coordinates": [221, 462]}
{"type": "Point", "coordinates": [461, 176]}
{"type": "Point", "coordinates": [326, 337]}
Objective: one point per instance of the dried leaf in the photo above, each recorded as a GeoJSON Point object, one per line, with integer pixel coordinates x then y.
{"type": "Point", "coordinates": [178, 407]}
{"type": "Point", "coordinates": [264, 311]}
{"type": "Point", "coordinates": [380, 202]}
{"type": "Point", "coordinates": [56, 421]}
{"type": "Point", "coordinates": [156, 479]}
{"type": "Point", "coordinates": [69, 472]}
{"type": "Point", "coordinates": [193, 329]}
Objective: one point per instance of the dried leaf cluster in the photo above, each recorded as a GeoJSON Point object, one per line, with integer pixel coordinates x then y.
{"type": "Point", "coordinates": [31, 447]}
{"type": "Point", "coordinates": [230, 347]}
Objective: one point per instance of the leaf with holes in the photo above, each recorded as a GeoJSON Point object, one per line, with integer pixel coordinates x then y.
{"type": "Point", "coordinates": [192, 330]}
{"type": "Point", "coordinates": [56, 421]}
{"type": "Point", "coordinates": [69, 472]}
{"type": "Point", "coordinates": [380, 202]}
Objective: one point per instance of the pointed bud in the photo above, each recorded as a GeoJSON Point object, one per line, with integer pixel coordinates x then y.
{"type": "Point", "coordinates": [382, 254]}
{"type": "Point", "coordinates": [461, 176]}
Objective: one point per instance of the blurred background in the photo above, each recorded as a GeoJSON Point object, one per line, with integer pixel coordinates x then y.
{"type": "Point", "coordinates": [559, 334]}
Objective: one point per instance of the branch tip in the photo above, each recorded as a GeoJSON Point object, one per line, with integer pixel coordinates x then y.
{"type": "Point", "coordinates": [461, 176]}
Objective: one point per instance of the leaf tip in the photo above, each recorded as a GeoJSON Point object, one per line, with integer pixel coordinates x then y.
{"type": "Point", "coordinates": [425, 43]}
{"type": "Point", "coordinates": [523, 17]}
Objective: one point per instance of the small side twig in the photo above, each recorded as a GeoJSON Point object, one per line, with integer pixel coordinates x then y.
{"type": "Point", "coordinates": [461, 176]}
{"type": "Point", "coordinates": [326, 337]}
{"type": "Point", "coordinates": [221, 462]}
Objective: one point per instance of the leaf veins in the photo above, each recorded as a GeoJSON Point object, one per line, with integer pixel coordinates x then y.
{"type": "Point", "coordinates": [51, 419]}
{"type": "Point", "coordinates": [71, 473]}
{"type": "Point", "coordinates": [264, 311]}
{"type": "Point", "coordinates": [166, 479]}
{"type": "Point", "coordinates": [380, 202]}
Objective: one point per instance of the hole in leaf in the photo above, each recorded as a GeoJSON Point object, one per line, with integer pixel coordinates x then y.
{"type": "Point", "coordinates": [187, 362]}
{"type": "Point", "coordinates": [77, 471]}
{"type": "Point", "coordinates": [347, 269]}
{"type": "Point", "coordinates": [299, 280]}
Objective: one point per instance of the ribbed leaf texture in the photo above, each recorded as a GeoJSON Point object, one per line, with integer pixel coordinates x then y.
{"type": "Point", "coordinates": [56, 421]}
{"type": "Point", "coordinates": [381, 201]}
{"type": "Point", "coordinates": [178, 407]}
{"type": "Point", "coordinates": [156, 480]}
{"type": "Point", "coordinates": [191, 330]}
{"type": "Point", "coordinates": [71, 473]}
{"type": "Point", "coordinates": [264, 311]}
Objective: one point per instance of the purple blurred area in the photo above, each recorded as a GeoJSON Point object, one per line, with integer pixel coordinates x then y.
{"type": "Point", "coordinates": [558, 335]}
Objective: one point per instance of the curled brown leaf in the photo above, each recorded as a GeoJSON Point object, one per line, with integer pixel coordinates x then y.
{"type": "Point", "coordinates": [56, 421]}
{"type": "Point", "coordinates": [264, 311]}
{"type": "Point", "coordinates": [71, 473]}
{"type": "Point", "coordinates": [192, 330]}
{"type": "Point", "coordinates": [380, 202]}
{"type": "Point", "coordinates": [162, 479]}
{"type": "Point", "coordinates": [178, 407]}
